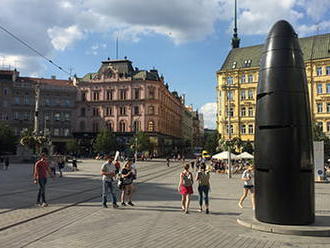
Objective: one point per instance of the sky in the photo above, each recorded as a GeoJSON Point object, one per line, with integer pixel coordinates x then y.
{"type": "Point", "coordinates": [187, 41]}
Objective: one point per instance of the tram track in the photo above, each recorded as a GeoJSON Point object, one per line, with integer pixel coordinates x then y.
{"type": "Point", "coordinates": [141, 179]}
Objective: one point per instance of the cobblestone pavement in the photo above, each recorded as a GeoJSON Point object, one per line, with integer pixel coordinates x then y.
{"type": "Point", "coordinates": [75, 218]}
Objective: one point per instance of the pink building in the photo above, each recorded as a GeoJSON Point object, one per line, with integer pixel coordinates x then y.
{"type": "Point", "coordinates": [126, 100]}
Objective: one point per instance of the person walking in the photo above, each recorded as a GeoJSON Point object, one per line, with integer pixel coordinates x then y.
{"type": "Point", "coordinates": [6, 163]}
{"type": "Point", "coordinates": [203, 179]}
{"type": "Point", "coordinates": [168, 161]}
{"type": "Point", "coordinates": [108, 172]}
{"type": "Point", "coordinates": [74, 164]}
{"type": "Point", "coordinates": [61, 164]}
{"type": "Point", "coordinates": [185, 188]}
{"type": "Point", "coordinates": [247, 178]}
{"type": "Point", "coordinates": [127, 177]}
{"type": "Point", "coordinates": [41, 172]}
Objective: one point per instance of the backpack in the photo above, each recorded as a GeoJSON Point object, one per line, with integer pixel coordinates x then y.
{"type": "Point", "coordinates": [187, 180]}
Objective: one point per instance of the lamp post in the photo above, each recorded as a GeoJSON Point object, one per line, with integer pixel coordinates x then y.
{"type": "Point", "coordinates": [228, 88]}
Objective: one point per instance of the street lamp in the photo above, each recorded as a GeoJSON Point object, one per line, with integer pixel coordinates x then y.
{"type": "Point", "coordinates": [228, 88]}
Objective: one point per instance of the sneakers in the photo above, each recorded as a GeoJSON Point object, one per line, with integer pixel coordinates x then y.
{"type": "Point", "coordinates": [104, 205]}
{"type": "Point", "coordinates": [130, 203]}
{"type": "Point", "coordinates": [123, 204]}
{"type": "Point", "coordinates": [207, 211]}
{"type": "Point", "coordinates": [44, 205]}
{"type": "Point", "coordinates": [200, 210]}
{"type": "Point", "coordinates": [38, 204]}
{"type": "Point", "coordinates": [115, 205]}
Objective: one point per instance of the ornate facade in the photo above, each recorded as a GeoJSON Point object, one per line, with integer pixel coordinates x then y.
{"type": "Point", "coordinates": [237, 84]}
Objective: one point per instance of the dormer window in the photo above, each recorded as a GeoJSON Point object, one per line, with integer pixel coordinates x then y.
{"type": "Point", "coordinates": [234, 65]}
{"type": "Point", "coordinates": [247, 63]}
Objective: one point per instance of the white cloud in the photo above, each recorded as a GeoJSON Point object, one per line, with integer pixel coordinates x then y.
{"type": "Point", "coordinates": [61, 38]}
{"type": "Point", "coordinates": [209, 111]}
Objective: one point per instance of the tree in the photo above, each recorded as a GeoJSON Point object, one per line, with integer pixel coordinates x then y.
{"type": "Point", "coordinates": [72, 146]}
{"type": "Point", "coordinates": [247, 147]}
{"type": "Point", "coordinates": [105, 142]}
{"type": "Point", "coordinates": [141, 142]}
{"type": "Point", "coordinates": [211, 143]}
{"type": "Point", "coordinates": [318, 134]}
{"type": "Point", "coordinates": [8, 140]}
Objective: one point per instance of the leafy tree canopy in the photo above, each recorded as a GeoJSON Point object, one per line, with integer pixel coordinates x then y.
{"type": "Point", "coordinates": [105, 142]}
{"type": "Point", "coordinates": [141, 142]}
{"type": "Point", "coordinates": [8, 141]}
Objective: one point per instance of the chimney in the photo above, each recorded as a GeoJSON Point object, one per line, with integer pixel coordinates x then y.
{"type": "Point", "coordinates": [53, 77]}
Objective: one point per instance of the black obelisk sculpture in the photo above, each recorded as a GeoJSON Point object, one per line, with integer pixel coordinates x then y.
{"type": "Point", "coordinates": [284, 180]}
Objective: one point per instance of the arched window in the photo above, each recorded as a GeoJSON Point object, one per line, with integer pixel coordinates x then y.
{"type": "Point", "coordinates": [109, 125]}
{"type": "Point", "coordinates": [151, 126]}
{"type": "Point", "coordinates": [151, 110]}
{"type": "Point", "coordinates": [122, 126]}
{"type": "Point", "coordinates": [136, 126]}
{"type": "Point", "coordinates": [82, 126]}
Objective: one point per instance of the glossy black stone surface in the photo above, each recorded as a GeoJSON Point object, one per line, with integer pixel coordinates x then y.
{"type": "Point", "coordinates": [284, 179]}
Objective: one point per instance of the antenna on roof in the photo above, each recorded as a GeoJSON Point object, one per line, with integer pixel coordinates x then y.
{"type": "Point", "coordinates": [117, 46]}
{"type": "Point", "coordinates": [235, 40]}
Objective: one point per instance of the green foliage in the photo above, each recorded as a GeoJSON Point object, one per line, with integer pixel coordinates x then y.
{"type": "Point", "coordinates": [237, 145]}
{"type": "Point", "coordinates": [105, 142]}
{"type": "Point", "coordinates": [8, 140]}
{"type": "Point", "coordinates": [318, 134]}
{"type": "Point", "coordinates": [140, 142]}
{"type": "Point", "coordinates": [211, 142]}
{"type": "Point", "coordinates": [72, 146]}
{"type": "Point", "coordinates": [247, 147]}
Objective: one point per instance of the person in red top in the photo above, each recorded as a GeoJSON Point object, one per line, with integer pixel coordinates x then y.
{"type": "Point", "coordinates": [41, 172]}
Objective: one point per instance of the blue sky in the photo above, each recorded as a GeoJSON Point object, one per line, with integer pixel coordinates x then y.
{"type": "Point", "coordinates": [185, 40]}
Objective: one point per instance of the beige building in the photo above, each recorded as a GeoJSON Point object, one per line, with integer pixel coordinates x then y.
{"type": "Point", "coordinates": [237, 82]}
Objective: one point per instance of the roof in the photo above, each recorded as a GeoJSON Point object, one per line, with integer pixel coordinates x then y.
{"type": "Point", "coordinates": [55, 82]}
{"type": "Point", "coordinates": [124, 69]}
{"type": "Point", "coordinates": [313, 47]}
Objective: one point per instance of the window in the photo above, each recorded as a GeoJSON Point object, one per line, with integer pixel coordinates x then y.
{"type": "Point", "coordinates": [109, 125]}
{"type": "Point", "coordinates": [151, 93]}
{"type": "Point", "coordinates": [96, 95]}
{"type": "Point", "coordinates": [151, 126]}
{"type": "Point", "coordinates": [96, 112]}
{"type": "Point", "coordinates": [243, 111]}
{"type": "Point", "coordinates": [67, 116]}
{"type": "Point", "coordinates": [108, 111]}
{"type": "Point", "coordinates": [82, 126]}
{"type": "Point", "coordinates": [243, 95]}
{"type": "Point", "coordinates": [136, 110]}
{"type": "Point", "coordinates": [230, 95]}
{"type": "Point", "coordinates": [229, 80]}
{"type": "Point", "coordinates": [234, 65]}
{"type": "Point", "coordinates": [243, 77]}
{"type": "Point", "coordinates": [136, 93]}
{"type": "Point", "coordinates": [250, 78]}
{"type": "Point", "coordinates": [319, 107]}
{"type": "Point", "coordinates": [122, 111]}
{"type": "Point", "coordinates": [66, 131]}
{"type": "Point", "coordinates": [57, 116]}
{"type": "Point", "coordinates": [56, 132]}
{"type": "Point", "coordinates": [250, 128]}
{"type": "Point", "coordinates": [250, 94]}
{"type": "Point", "coordinates": [318, 71]}
{"type": "Point", "coordinates": [95, 127]}
{"type": "Point", "coordinates": [250, 111]}
{"type": "Point", "coordinates": [83, 96]}
{"type": "Point", "coordinates": [328, 107]}
{"type": "Point", "coordinates": [82, 112]}
{"type": "Point", "coordinates": [16, 115]}
{"type": "Point", "coordinates": [231, 111]}
{"type": "Point", "coordinates": [151, 110]}
{"type": "Point", "coordinates": [243, 129]}
{"type": "Point", "coordinates": [319, 88]}
{"type": "Point", "coordinates": [229, 130]}
{"type": "Point", "coordinates": [122, 126]}
{"type": "Point", "coordinates": [122, 94]}
{"type": "Point", "coordinates": [327, 70]}
{"type": "Point", "coordinates": [17, 100]}
{"type": "Point", "coordinates": [5, 91]}
{"type": "Point", "coordinates": [67, 103]}
{"type": "Point", "coordinates": [328, 127]}
{"type": "Point", "coordinates": [109, 95]}
{"type": "Point", "coordinates": [136, 126]}
{"type": "Point", "coordinates": [26, 100]}
{"type": "Point", "coordinates": [47, 102]}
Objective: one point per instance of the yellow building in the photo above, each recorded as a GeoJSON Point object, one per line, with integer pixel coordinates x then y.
{"type": "Point", "coordinates": [237, 85]}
